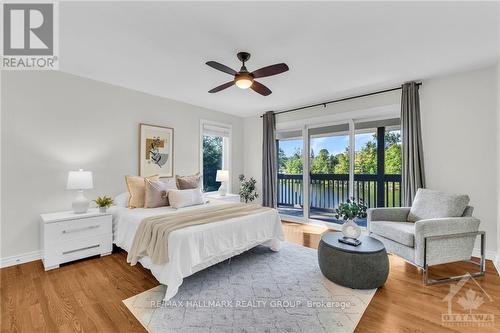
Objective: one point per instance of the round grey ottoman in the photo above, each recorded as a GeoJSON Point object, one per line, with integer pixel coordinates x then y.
{"type": "Point", "coordinates": [359, 267]}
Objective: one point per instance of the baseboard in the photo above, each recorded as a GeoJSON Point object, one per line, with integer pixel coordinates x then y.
{"type": "Point", "coordinates": [490, 255]}
{"type": "Point", "coordinates": [20, 259]}
{"type": "Point", "coordinates": [496, 263]}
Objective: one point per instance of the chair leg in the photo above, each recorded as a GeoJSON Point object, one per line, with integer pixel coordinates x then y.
{"type": "Point", "coordinates": [481, 264]}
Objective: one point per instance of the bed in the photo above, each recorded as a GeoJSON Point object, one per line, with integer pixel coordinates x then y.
{"type": "Point", "coordinates": [197, 247]}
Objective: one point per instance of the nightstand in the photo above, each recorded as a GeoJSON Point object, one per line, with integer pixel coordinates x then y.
{"type": "Point", "coordinates": [67, 236]}
{"type": "Point", "coordinates": [229, 197]}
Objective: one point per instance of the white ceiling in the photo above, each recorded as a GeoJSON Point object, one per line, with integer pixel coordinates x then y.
{"type": "Point", "coordinates": [333, 49]}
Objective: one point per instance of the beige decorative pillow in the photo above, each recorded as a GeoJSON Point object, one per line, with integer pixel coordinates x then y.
{"type": "Point", "coordinates": [188, 182]}
{"type": "Point", "coordinates": [136, 189]}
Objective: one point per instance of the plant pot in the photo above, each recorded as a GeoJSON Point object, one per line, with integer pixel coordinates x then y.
{"type": "Point", "coordinates": [103, 210]}
{"type": "Point", "coordinates": [351, 229]}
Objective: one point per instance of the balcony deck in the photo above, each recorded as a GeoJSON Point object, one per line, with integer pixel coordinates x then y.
{"type": "Point", "coordinates": [316, 214]}
{"type": "Point", "coordinates": [326, 191]}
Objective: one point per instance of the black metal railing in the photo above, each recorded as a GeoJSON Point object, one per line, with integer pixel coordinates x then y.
{"type": "Point", "coordinates": [328, 190]}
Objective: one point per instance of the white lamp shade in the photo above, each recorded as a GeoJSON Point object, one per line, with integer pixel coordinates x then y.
{"type": "Point", "coordinates": [80, 180]}
{"type": "Point", "coordinates": [222, 176]}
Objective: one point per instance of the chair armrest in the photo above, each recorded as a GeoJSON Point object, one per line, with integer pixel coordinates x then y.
{"type": "Point", "coordinates": [454, 248]}
{"type": "Point", "coordinates": [446, 226]}
{"type": "Point", "coordinates": [394, 214]}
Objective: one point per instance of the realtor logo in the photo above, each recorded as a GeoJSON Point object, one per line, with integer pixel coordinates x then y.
{"type": "Point", "coordinates": [29, 31]}
{"type": "Point", "coordinates": [470, 301]}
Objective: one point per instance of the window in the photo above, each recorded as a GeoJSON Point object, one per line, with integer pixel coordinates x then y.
{"type": "Point", "coordinates": [215, 143]}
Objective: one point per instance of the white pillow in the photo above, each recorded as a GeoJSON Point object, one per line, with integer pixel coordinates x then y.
{"type": "Point", "coordinates": [121, 200]}
{"type": "Point", "coordinates": [185, 198]}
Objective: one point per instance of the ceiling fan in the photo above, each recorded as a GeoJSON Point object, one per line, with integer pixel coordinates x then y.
{"type": "Point", "coordinates": [244, 79]}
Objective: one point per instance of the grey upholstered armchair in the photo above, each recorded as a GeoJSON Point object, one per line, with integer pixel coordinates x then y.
{"type": "Point", "coordinates": [439, 228]}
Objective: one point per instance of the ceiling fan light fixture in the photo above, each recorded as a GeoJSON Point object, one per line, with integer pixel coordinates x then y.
{"type": "Point", "coordinates": [243, 81]}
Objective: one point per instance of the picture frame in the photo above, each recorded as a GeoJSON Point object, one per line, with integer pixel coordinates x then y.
{"type": "Point", "coordinates": [156, 150]}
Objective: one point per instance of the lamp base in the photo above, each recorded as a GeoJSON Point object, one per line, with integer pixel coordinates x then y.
{"type": "Point", "coordinates": [80, 204]}
{"type": "Point", "coordinates": [222, 189]}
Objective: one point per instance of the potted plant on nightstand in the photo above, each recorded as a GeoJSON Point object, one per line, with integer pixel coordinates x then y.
{"type": "Point", "coordinates": [103, 203]}
{"type": "Point", "coordinates": [348, 211]}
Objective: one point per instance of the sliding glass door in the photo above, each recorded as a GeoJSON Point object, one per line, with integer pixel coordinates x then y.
{"type": "Point", "coordinates": [290, 189]}
{"type": "Point", "coordinates": [360, 160]}
{"type": "Point", "coordinates": [329, 170]}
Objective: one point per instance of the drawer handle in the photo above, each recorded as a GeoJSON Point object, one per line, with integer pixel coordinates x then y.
{"type": "Point", "coordinates": [79, 229]}
{"type": "Point", "coordinates": [83, 248]}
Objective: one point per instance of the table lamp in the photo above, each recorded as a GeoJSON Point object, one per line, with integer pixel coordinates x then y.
{"type": "Point", "coordinates": [80, 180]}
{"type": "Point", "coordinates": [223, 177]}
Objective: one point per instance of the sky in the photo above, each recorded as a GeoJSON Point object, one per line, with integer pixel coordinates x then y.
{"type": "Point", "coordinates": [334, 144]}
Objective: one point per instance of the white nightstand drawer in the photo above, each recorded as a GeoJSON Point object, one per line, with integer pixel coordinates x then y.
{"type": "Point", "coordinates": [71, 229]}
{"type": "Point", "coordinates": [81, 248]}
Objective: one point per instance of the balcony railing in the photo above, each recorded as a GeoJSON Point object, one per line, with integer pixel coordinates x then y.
{"type": "Point", "coordinates": [328, 190]}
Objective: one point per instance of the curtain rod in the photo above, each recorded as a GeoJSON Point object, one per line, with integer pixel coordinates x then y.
{"type": "Point", "coordinates": [341, 100]}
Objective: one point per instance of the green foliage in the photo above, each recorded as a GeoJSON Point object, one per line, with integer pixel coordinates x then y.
{"type": "Point", "coordinates": [342, 167]}
{"type": "Point", "coordinates": [103, 201]}
{"type": "Point", "coordinates": [350, 210]}
{"type": "Point", "coordinates": [291, 165]}
{"type": "Point", "coordinates": [212, 161]}
{"type": "Point", "coordinates": [365, 159]}
{"type": "Point", "coordinates": [393, 159]}
{"type": "Point", "coordinates": [247, 189]}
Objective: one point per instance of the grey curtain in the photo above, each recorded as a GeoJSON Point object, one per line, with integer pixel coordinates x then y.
{"type": "Point", "coordinates": [413, 175]}
{"type": "Point", "coordinates": [269, 176]}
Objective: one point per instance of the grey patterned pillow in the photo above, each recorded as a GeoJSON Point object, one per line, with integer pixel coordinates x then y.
{"type": "Point", "coordinates": [188, 182]}
{"type": "Point", "coordinates": [429, 204]}
{"type": "Point", "coordinates": [156, 193]}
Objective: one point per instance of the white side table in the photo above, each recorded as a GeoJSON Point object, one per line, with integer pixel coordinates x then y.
{"type": "Point", "coordinates": [229, 197]}
{"type": "Point", "coordinates": [67, 236]}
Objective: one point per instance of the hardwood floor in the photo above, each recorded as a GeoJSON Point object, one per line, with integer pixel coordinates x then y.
{"type": "Point", "coordinates": [404, 304]}
{"type": "Point", "coordinates": [86, 296]}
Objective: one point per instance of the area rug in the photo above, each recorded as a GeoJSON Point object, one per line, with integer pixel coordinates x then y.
{"type": "Point", "coordinates": [257, 291]}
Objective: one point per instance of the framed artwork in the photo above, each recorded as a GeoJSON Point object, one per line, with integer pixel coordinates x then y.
{"type": "Point", "coordinates": [156, 151]}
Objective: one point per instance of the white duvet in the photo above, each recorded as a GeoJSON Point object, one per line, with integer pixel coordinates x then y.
{"type": "Point", "coordinates": [197, 247]}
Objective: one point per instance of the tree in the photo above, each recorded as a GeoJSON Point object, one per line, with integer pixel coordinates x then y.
{"type": "Point", "coordinates": [293, 164]}
{"type": "Point", "coordinates": [212, 161]}
{"type": "Point", "coordinates": [393, 159]}
{"type": "Point", "coordinates": [392, 138]}
{"type": "Point", "coordinates": [342, 167]}
{"type": "Point", "coordinates": [281, 160]}
{"type": "Point", "coordinates": [322, 163]}
{"type": "Point", "coordinates": [366, 159]}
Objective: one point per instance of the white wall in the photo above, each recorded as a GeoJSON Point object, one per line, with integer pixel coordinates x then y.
{"type": "Point", "coordinates": [497, 263]}
{"type": "Point", "coordinates": [459, 138]}
{"type": "Point", "coordinates": [53, 122]}
{"type": "Point", "coordinates": [253, 151]}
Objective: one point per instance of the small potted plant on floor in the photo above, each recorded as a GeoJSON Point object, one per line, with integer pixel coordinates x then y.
{"type": "Point", "coordinates": [247, 189]}
{"type": "Point", "coordinates": [103, 203]}
{"type": "Point", "coordinates": [348, 211]}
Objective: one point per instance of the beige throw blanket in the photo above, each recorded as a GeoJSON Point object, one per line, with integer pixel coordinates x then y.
{"type": "Point", "coordinates": [151, 238]}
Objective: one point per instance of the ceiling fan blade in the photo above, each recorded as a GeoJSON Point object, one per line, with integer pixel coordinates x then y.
{"type": "Point", "coordinates": [260, 88]}
{"type": "Point", "coordinates": [270, 70]}
{"type": "Point", "coordinates": [221, 87]}
{"type": "Point", "coordinates": [221, 67]}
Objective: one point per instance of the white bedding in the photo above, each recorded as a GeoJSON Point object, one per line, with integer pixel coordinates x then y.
{"type": "Point", "coordinates": [197, 247]}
